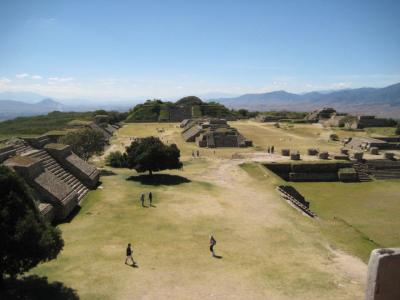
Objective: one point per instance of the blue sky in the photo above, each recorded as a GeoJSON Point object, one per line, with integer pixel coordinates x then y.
{"type": "Point", "coordinates": [133, 49]}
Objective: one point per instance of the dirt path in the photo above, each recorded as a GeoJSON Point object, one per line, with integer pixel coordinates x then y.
{"type": "Point", "coordinates": [228, 175]}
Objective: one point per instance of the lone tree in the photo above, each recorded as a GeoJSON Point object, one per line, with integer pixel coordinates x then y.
{"type": "Point", "coordinates": [150, 154]}
{"type": "Point", "coordinates": [26, 238]}
{"type": "Point", "coordinates": [85, 142]}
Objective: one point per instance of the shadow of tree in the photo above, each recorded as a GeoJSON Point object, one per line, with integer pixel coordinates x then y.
{"type": "Point", "coordinates": [36, 288]}
{"type": "Point", "coordinates": [159, 179]}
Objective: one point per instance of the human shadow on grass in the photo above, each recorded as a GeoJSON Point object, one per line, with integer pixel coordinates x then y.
{"type": "Point", "coordinates": [34, 288]}
{"type": "Point", "coordinates": [217, 256]}
{"type": "Point", "coordinates": [135, 265]}
{"type": "Point", "coordinates": [159, 179]}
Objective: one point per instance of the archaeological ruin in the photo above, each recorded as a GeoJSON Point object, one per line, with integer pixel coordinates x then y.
{"type": "Point", "coordinates": [212, 133]}
{"type": "Point", "coordinates": [58, 177]}
{"type": "Point", "coordinates": [361, 122]}
{"type": "Point", "coordinates": [320, 115]}
{"type": "Point", "coordinates": [185, 108]}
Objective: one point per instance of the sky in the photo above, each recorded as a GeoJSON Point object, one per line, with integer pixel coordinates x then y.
{"type": "Point", "coordinates": [110, 50]}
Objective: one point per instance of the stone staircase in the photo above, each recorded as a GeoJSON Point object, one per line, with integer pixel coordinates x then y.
{"type": "Point", "coordinates": [362, 172]}
{"type": "Point", "coordinates": [295, 202]}
{"type": "Point", "coordinates": [22, 148]}
{"type": "Point", "coordinates": [54, 167]}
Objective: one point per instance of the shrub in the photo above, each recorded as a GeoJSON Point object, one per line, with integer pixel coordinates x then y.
{"type": "Point", "coordinates": [116, 160]}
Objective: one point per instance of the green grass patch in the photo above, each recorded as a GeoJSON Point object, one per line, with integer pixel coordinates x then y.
{"type": "Point", "coordinates": [358, 216]}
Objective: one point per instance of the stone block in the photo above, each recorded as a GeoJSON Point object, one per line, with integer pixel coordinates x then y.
{"type": "Point", "coordinates": [312, 151]}
{"type": "Point", "coordinates": [295, 156]}
{"type": "Point", "coordinates": [323, 155]}
{"type": "Point", "coordinates": [383, 281]}
{"type": "Point", "coordinates": [374, 150]}
{"type": "Point", "coordinates": [285, 152]}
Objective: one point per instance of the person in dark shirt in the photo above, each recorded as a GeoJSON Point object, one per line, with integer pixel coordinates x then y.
{"type": "Point", "coordinates": [213, 242]}
{"type": "Point", "coordinates": [142, 199]}
{"type": "Point", "coordinates": [129, 255]}
{"type": "Point", "coordinates": [151, 199]}
{"type": "Point", "coordinates": [272, 149]}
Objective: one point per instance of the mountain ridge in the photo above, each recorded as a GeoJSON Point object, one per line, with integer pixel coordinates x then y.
{"type": "Point", "coordinates": [380, 101]}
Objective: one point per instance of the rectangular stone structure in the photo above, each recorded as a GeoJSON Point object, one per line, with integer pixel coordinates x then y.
{"type": "Point", "coordinates": [383, 281]}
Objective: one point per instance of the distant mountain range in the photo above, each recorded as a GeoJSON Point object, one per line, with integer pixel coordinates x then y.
{"type": "Point", "coordinates": [11, 108]}
{"type": "Point", "coordinates": [378, 101]}
{"type": "Point", "coordinates": [30, 106]}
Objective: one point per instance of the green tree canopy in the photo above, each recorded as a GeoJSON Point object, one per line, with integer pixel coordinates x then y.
{"type": "Point", "coordinates": [190, 101]}
{"type": "Point", "coordinates": [85, 142]}
{"type": "Point", "coordinates": [151, 155]}
{"type": "Point", "coordinates": [26, 238]}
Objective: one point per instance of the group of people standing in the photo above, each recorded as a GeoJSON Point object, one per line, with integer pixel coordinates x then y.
{"type": "Point", "coordinates": [142, 199]}
{"type": "Point", "coordinates": [271, 150]}
{"type": "Point", "coordinates": [129, 251]}
{"type": "Point", "coordinates": [196, 153]}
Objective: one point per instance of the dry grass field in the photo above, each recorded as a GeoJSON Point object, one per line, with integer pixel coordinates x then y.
{"type": "Point", "coordinates": [269, 250]}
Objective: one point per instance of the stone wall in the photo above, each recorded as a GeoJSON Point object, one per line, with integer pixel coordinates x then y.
{"type": "Point", "coordinates": [313, 177]}
{"type": "Point", "coordinates": [383, 281]}
{"type": "Point", "coordinates": [304, 172]}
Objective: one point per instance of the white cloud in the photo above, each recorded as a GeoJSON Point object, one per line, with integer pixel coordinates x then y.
{"type": "Point", "coordinates": [36, 77]}
{"type": "Point", "coordinates": [22, 75]}
{"type": "Point", "coordinates": [61, 79]}
{"type": "Point", "coordinates": [4, 80]}
{"type": "Point", "coordinates": [341, 85]}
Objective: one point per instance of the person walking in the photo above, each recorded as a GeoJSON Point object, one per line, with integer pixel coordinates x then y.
{"type": "Point", "coordinates": [198, 153]}
{"type": "Point", "coordinates": [142, 199]}
{"type": "Point", "coordinates": [268, 150]}
{"type": "Point", "coordinates": [129, 252]}
{"type": "Point", "coordinates": [151, 199]}
{"type": "Point", "coordinates": [213, 242]}
{"type": "Point", "coordinates": [272, 149]}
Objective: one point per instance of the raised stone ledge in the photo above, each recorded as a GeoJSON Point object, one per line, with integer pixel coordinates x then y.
{"type": "Point", "coordinates": [58, 150]}
{"type": "Point", "coordinates": [27, 167]}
